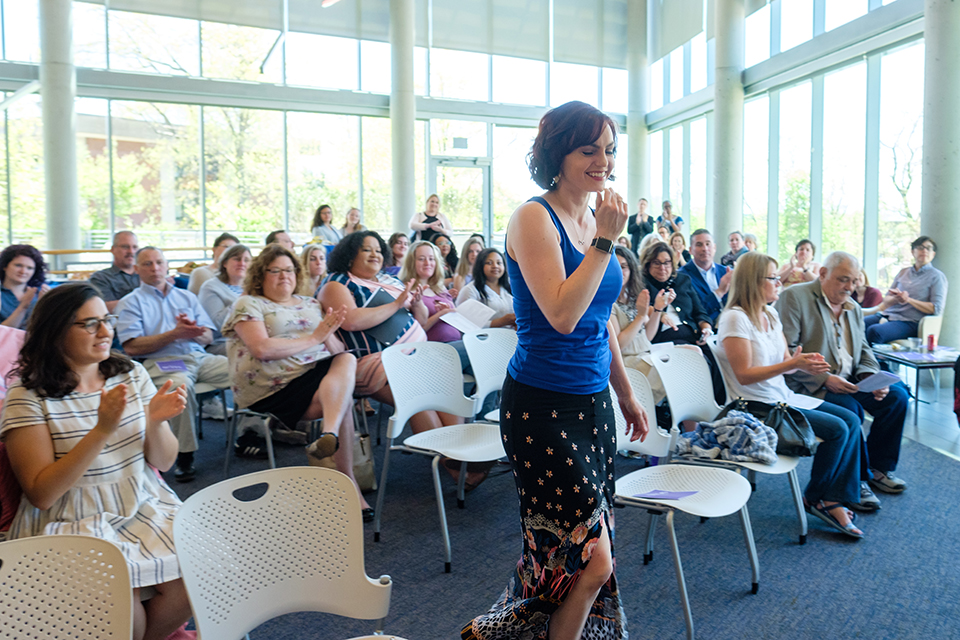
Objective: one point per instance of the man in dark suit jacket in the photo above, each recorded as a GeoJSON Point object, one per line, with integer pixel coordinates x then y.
{"type": "Point", "coordinates": [639, 225]}
{"type": "Point", "coordinates": [711, 280]}
{"type": "Point", "coordinates": [821, 317]}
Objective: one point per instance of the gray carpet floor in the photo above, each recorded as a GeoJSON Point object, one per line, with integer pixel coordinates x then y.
{"type": "Point", "coordinates": [901, 582]}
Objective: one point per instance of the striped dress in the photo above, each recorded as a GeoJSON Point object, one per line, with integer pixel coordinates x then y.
{"type": "Point", "coordinates": [119, 498]}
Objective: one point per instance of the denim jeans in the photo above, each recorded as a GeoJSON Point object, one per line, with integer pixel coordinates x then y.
{"type": "Point", "coordinates": [889, 414]}
{"type": "Point", "coordinates": [835, 475]}
{"type": "Point", "coordinates": [889, 331]}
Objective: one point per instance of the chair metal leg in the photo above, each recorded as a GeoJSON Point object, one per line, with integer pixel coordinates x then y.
{"type": "Point", "coordinates": [435, 465]}
{"type": "Point", "coordinates": [751, 548]}
{"type": "Point", "coordinates": [381, 492]}
{"type": "Point", "coordinates": [651, 527]}
{"type": "Point", "coordinates": [681, 583]}
{"type": "Point", "coordinates": [752, 479]}
{"type": "Point", "coordinates": [269, 438]}
{"type": "Point", "coordinates": [798, 503]}
{"type": "Point", "coordinates": [360, 417]}
{"type": "Point", "coordinates": [231, 437]}
{"type": "Point", "coordinates": [461, 486]}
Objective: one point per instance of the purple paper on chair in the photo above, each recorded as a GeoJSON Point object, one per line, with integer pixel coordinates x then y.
{"type": "Point", "coordinates": [660, 494]}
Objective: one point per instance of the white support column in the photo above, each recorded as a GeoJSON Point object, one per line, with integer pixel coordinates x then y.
{"type": "Point", "coordinates": [638, 88]}
{"type": "Point", "coordinates": [871, 179]}
{"type": "Point", "coordinates": [728, 118]}
{"type": "Point", "coordinates": [773, 174]}
{"type": "Point", "coordinates": [815, 233]}
{"type": "Point", "coordinates": [58, 89]}
{"type": "Point", "coordinates": [940, 199]}
{"type": "Point", "coordinates": [403, 113]}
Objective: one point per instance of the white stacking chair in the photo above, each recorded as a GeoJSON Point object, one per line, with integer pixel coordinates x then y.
{"type": "Point", "coordinates": [720, 492]}
{"type": "Point", "coordinates": [490, 351]}
{"type": "Point", "coordinates": [274, 542]}
{"type": "Point", "coordinates": [426, 376]}
{"type": "Point", "coordinates": [686, 379]}
{"type": "Point", "coordinates": [64, 586]}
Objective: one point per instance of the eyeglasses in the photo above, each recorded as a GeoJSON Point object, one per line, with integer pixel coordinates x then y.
{"type": "Point", "coordinates": [926, 247]}
{"type": "Point", "coordinates": [92, 325]}
{"type": "Point", "coordinates": [664, 265]}
{"type": "Point", "coordinates": [277, 272]}
{"type": "Point", "coordinates": [773, 279]}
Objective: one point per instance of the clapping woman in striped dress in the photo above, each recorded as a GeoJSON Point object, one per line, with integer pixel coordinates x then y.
{"type": "Point", "coordinates": [83, 427]}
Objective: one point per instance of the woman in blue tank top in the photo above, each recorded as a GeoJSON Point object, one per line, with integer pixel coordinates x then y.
{"type": "Point", "coordinates": [556, 414]}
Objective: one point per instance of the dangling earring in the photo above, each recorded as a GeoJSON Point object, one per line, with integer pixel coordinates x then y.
{"type": "Point", "coordinates": [554, 182]}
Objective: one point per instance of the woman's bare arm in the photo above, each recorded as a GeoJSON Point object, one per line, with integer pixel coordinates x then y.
{"type": "Point", "coordinates": [533, 241]}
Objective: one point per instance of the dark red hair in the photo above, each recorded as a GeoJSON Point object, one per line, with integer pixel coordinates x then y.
{"type": "Point", "coordinates": [562, 130]}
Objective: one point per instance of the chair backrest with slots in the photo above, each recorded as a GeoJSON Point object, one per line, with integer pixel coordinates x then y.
{"type": "Point", "coordinates": [64, 586]}
{"type": "Point", "coordinates": [490, 351]}
{"type": "Point", "coordinates": [657, 443]}
{"type": "Point", "coordinates": [275, 542]}
{"type": "Point", "coordinates": [424, 376]}
{"type": "Point", "coordinates": [686, 379]}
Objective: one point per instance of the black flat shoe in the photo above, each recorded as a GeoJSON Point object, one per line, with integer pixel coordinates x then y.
{"type": "Point", "coordinates": [185, 473]}
{"type": "Point", "coordinates": [368, 514]}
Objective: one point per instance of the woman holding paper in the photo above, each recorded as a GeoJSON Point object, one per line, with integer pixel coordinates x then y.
{"type": "Point", "coordinates": [286, 360]}
{"type": "Point", "coordinates": [754, 357]}
{"type": "Point", "coordinates": [495, 291]}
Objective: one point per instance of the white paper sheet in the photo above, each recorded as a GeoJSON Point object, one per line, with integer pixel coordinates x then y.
{"type": "Point", "coordinates": [878, 380]}
{"type": "Point", "coordinates": [470, 316]}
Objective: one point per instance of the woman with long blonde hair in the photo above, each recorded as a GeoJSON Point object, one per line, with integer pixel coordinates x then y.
{"type": "Point", "coordinates": [313, 259]}
{"type": "Point", "coordinates": [471, 249]}
{"type": "Point", "coordinates": [754, 357]}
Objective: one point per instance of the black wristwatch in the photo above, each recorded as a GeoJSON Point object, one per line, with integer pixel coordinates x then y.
{"type": "Point", "coordinates": [603, 244]}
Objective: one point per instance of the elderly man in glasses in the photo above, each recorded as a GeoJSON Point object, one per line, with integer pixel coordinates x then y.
{"type": "Point", "coordinates": [167, 329]}
{"type": "Point", "coordinates": [916, 291]}
{"type": "Point", "coordinates": [820, 317]}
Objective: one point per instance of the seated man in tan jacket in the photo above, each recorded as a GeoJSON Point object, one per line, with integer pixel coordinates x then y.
{"type": "Point", "coordinates": [821, 317]}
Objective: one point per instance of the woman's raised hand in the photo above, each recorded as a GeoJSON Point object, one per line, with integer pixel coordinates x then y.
{"type": "Point", "coordinates": [168, 403]}
{"type": "Point", "coordinates": [610, 213]}
{"type": "Point", "coordinates": [809, 362]}
{"type": "Point", "coordinates": [643, 301]}
{"type": "Point", "coordinates": [664, 298]}
{"type": "Point", "coordinates": [330, 323]}
{"type": "Point", "coordinates": [112, 404]}
{"type": "Point", "coordinates": [405, 296]}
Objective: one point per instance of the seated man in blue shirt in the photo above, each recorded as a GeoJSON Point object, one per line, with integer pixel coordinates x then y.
{"type": "Point", "coordinates": [710, 280]}
{"type": "Point", "coordinates": [916, 292]}
{"type": "Point", "coordinates": [167, 329]}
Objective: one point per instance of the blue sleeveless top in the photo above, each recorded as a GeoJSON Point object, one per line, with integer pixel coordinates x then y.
{"type": "Point", "coordinates": [578, 363]}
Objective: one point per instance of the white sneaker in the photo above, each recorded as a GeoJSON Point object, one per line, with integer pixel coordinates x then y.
{"type": "Point", "coordinates": [212, 409]}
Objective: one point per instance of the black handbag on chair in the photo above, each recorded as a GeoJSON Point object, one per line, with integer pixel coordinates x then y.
{"type": "Point", "coordinates": [795, 436]}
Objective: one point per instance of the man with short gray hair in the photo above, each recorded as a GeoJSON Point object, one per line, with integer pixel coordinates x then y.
{"type": "Point", "coordinates": [821, 317]}
{"type": "Point", "coordinates": [121, 277]}
{"type": "Point", "coordinates": [168, 329]}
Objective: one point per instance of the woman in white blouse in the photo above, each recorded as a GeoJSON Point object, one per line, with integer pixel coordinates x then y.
{"type": "Point", "coordinates": [495, 292]}
{"type": "Point", "coordinates": [754, 358]}
{"type": "Point", "coordinates": [218, 294]}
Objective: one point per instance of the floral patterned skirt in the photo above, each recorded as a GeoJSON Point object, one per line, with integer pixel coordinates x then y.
{"type": "Point", "coordinates": [562, 448]}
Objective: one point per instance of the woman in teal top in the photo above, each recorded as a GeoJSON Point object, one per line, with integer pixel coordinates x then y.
{"type": "Point", "coordinates": [557, 416]}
